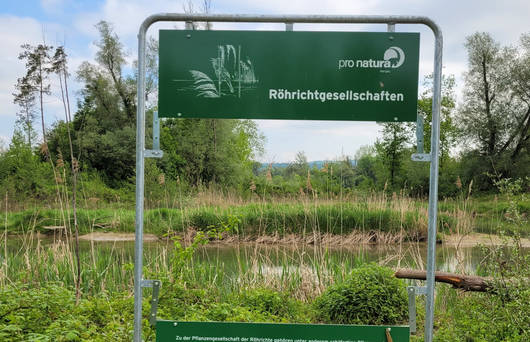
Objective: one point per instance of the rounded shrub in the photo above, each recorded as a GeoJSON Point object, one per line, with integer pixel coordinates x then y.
{"type": "Point", "coordinates": [369, 295]}
{"type": "Point", "coordinates": [269, 302]}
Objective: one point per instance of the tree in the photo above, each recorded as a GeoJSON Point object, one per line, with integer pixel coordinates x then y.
{"type": "Point", "coordinates": [111, 58]}
{"type": "Point", "coordinates": [391, 147]}
{"type": "Point", "coordinates": [519, 138]}
{"type": "Point", "coordinates": [495, 115]}
{"type": "Point", "coordinates": [485, 113]}
{"type": "Point", "coordinates": [299, 166]}
{"type": "Point", "coordinates": [365, 167]}
{"type": "Point", "coordinates": [193, 150]}
{"type": "Point", "coordinates": [448, 131]}
{"type": "Point", "coordinates": [36, 79]}
{"type": "Point", "coordinates": [25, 98]}
{"type": "Point", "coordinates": [105, 121]}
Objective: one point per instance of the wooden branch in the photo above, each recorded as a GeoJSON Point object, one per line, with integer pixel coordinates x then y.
{"type": "Point", "coordinates": [459, 281]}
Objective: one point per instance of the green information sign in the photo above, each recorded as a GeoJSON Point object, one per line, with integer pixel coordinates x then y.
{"type": "Point", "coordinates": [167, 331]}
{"type": "Point", "coordinates": [362, 76]}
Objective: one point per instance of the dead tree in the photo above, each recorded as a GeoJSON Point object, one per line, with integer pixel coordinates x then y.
{"type": "Point", "coordinates": [459, 281]}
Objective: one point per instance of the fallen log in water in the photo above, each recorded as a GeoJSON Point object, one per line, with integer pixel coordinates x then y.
{"type": "Point", "coordinates": [459, 281]}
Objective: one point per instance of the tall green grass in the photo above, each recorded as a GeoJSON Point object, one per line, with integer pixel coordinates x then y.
{"type": "Point", "coordinates": [256, 219]}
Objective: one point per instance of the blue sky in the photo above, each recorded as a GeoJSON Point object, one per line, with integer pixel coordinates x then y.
{"type": "Point", "coordinates": [72, 22]}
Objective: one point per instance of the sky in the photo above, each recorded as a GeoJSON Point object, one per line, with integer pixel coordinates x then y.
{"type": "Point", "coordinates": [72, 23]}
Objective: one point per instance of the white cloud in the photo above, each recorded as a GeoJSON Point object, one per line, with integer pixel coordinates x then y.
{"type": "Point", "coordinates": [457, 19]}
{"type": "Point", "coordinates": [15, 31]}
{"type": "Point", "coordinates": [125, 15]}
{"type": "Point", "coordinates": [52, 6]}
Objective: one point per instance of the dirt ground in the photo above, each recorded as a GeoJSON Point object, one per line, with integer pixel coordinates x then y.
{"type": "Point", "coordinates": [469, 240]}
{"type": "Point", "coordinates": [98, 236]}
{"type": "Point", "coordinates": [474, 239]}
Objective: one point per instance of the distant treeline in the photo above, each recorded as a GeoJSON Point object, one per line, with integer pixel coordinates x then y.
{"type": "Point", "coordinates": [483, 139]}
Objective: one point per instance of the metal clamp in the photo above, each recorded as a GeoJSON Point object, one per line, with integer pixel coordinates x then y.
{"type": "Point", "coordinates": [414, 291]}
{"type": "Point", "coordinates": [421, 157]}
{"type": "Point", "coordinates": [153, 153]}
{"type": "Point", "coordinates": [155, 284]}
{"type": "Point", "coordinates": [156, 152]}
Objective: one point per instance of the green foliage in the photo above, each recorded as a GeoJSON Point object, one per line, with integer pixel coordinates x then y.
{"type": "Point", "coordinates": [209, 151]}
{"type": "Point", "coordinates": [22, 174]}
{"type": "Point", "coordinates": [272, 305]}
{"type": "Point", "coordinates": [371, 295]}
{"type": "Point", "coordinates": [391, 149]}
{"type": "Point", "coordinates": [49, 313]}
{"type": "Point", "coordinates": [500, 315]}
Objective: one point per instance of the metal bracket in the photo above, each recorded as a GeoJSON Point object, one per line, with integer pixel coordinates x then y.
{"type": "Point", "coordinates": [421, 157]}
{"type": "Point", "coordinates": [414, 291]}
{"type": "Point", "coordinates": [156, 131]}
{"type": "Point", "coordinates": [153, 153]}
{"type": "Point", "coordinates": [156, 152]}
{"type": "Point", "coordinates": [419, 133]}
{"type": "Point", "coordinates": [288, 26]}
{"type": "Point", "coordinates": [155, 284]}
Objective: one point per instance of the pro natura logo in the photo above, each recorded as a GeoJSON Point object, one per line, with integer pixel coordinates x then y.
{"type": "Point", "coordinates": [393, 58]}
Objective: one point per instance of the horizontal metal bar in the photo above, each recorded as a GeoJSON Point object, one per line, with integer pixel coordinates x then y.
{"type": "Point", "coordinates": [420, 290]}
{"type": "Point", "coordinates": [316, 19]}
{"type": "Point", "coordinates": [421, 157]}
{"type": "Point", "coordinates": [150, 283]}
{"type": "Point", "coordinates": [153, 153]}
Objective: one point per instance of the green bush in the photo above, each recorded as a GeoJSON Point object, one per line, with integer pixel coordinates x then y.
{"type": "Point", "coordinates": [370, 295]}
{"type": "Point", "coordinates": [270, 303]}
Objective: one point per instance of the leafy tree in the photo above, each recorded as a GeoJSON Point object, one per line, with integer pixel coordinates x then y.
{"type": "Point", "coordinates": [105, 121]}
{"type": "Point", "coordinates": [519, 138]}
{"type": "Point", "coordinates": [25, 98]}
{"type": "Point", "coordinates": [111, 57]}
{"type": "Point", "coordinates": [209, 151]}
{"type": "Point", "coordinates": [495, 114]}
{"type": "Point", "coordinates": [365, 167]}
{"type": "Point", "coordinates": [35, 81]}
{"type": "Point", "coordinates": [484, 114]}
{"type": "Point", "coordinates": [391, 147]}
{"type": "Point", "coordinates": [299, 166]}
{"type": "Point", "coordinates": [21, 172]}
{"type": "Point", "coordinates": [448, 130]}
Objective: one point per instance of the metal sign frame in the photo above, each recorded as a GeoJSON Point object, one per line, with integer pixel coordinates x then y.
{"type": "Point", "coordinates": [289, 20]}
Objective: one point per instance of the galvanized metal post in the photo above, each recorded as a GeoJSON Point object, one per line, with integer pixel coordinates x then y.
{"type": "Point", "coordinates": [140, 147]}
{"type": "Point", "coordinates": [433, 184]}
{"type": "Point", "coordinates": [290, 19]}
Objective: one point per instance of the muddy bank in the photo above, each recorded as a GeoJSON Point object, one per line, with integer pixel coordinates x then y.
{"type": "Point", "coordinates": [111, 237]}
{"type": "Point", "coordinates": [358, 238]}
{"type": "Point", "coordinates": [473, 239]}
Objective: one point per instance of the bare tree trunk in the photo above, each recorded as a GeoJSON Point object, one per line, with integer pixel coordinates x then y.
{"type": "Point", "coordinates": [459, 281]}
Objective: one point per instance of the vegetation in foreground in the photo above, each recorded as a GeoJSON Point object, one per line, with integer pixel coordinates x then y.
{"type": "Point", "coordinates": [318, 291]}
{"type": "Point", "coordinates": [94, 145]}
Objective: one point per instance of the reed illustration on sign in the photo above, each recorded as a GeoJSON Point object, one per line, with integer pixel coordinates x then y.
{"type": "Point", "coordinates": [231, 74]}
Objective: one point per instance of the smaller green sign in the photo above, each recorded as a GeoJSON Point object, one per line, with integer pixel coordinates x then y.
{"type": "Point", "coordinates": [167, 331]}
